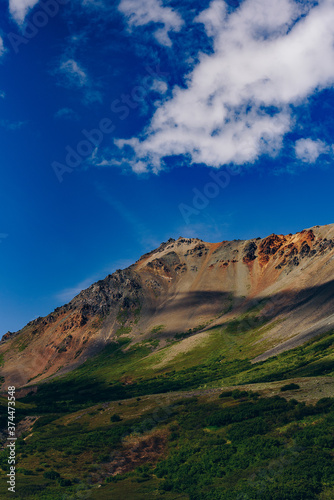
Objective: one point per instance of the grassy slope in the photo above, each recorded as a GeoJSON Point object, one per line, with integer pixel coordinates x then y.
{"type": "Point", "coordinates": [222, 357]}
{"type": "Point", "coordinates": [75, 436]}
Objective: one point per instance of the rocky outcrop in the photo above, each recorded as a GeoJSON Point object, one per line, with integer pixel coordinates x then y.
{"type": "Point", "coordinates": [270, 246]}
{"type": "Point", "coordinates": [100, 298]}
{"type": "Point", "coordinates": [9, 335]}
{"type": "Point", "coordinates": [249, 252]}
{"type": "Point", "coordinates": [198, 250]}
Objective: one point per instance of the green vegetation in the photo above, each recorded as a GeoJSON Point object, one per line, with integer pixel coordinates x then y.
{"type": "Point", "coordinates": [115, 418]}
{"type": "Point", "coordinates": [123, 330]}
{"type": "Point", "coordinates": [290, 387]}
{"type": "Point", "coordinates": [247, 455]}
{"type": "Point", "coordinates": [106, 376]}
{"type": "Point", "coordinates": [231, 443]}
{"type": "Point", "coordinates": [51, 474]}
{"type": "Point", "coordinates": [152, 342]}
{"type": "Point", "coordinates": [224, 448]}
{"type": "Point", "coordinates": [191, 331]}
{"type": "Point", "coordinates": [122, 316]}
{"type": "Point", "coordinates": [314, 358]}
{"type": "Point", "coordinates": [157, 329]}
{"type": "Point", "coordinates": [245, 324]}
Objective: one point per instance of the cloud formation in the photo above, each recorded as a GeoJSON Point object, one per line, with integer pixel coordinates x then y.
{"type": "Point", "coordinates": [152, 11]}
{"type": "Point", "coordinates": [20, 8]}
{"type": "Point", "coordinates": [67, 114]}
{"type": "Point", "coordinates": [73, 75]}
{"type": "Point", "coordinates": [267, 56]}
{"type": "Point", "coordinates": [309, 151]}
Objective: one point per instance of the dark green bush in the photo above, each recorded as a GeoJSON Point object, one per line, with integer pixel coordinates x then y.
{"type": "Point", "coordinates": [65, 482]}
{"type": "Point", "coordinates": [51, 474]}
{"type": "Point", "coordinates": [115, 418]}
{"type": "Point", "coordinates": [290, 387]}
{"type": "Point", "coordinates": [237, 394]}
{"type": "Point", "coordinates": [225, 394]}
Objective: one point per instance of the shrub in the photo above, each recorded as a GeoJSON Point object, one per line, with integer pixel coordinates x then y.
{"type": "Point", "coordinates": [115, 418]}
{"type": "Point", "coordinates": [51, 474]}
{"type": "Point", "coordinates": [166, 486]}
{"type": "Point", "coordinates": [225, 394]}
{"type": "Point", "coordinates": [324, 404]}
{"type": "Point", "coordinates": [290, 387]}
{"type": "Point", "coordinates": [26, 472]}
{"type": "Point", "coordinates": [65, 482]}
{"type": "Point", "coordinates": [237, 394]}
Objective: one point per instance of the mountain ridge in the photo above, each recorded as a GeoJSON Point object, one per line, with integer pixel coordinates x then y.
{"type": "Point", "coordinates": [183, 285]}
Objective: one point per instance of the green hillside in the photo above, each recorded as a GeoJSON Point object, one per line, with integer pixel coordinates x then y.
{"type": "Point", "coordinates": [205, 422]}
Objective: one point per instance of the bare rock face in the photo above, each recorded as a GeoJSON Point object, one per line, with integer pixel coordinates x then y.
{"type": "Point", "coordinates": [249, 252]}
{"type": "Point", "coordinates": [175, 288]}
{"type": "Point", "coordinates": [8, 336]}
{"type": "Point", "coordinates": [269, 247]}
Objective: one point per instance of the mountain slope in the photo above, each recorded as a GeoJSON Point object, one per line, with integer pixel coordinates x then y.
{"type": "Point", "coordinates": [185, 288]}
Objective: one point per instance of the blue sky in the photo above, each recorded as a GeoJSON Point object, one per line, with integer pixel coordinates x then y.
{"type": "Point", "coordinates": [125, 123]}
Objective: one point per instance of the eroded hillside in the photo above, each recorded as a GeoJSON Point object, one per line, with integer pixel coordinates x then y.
{"type": "Point", "coordinates": [186, 287]}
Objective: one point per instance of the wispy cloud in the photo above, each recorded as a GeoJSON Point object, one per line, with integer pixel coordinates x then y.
{"type": "Point", "coordinates": [152, 11]}
{"type": "Point", "coordinates": [20, 8]}
{"type": "Point", "coordinates": [73, 75]}
{"type": "Point", "coordinates": [107, 158]}
{"type": "Point", "coordinates": [8, 125]}
{"type": "Point", "coordinates": [67, 114]}
{"type": "Point", "coordinates": [2, 47]}
{"type": "Point", "coordinates": [237, 104]}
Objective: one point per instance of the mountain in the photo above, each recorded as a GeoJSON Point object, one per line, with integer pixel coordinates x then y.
{"type": "Point", "coordinates": [203, 371]}
{"type": "Point", "coordinates": [182, 291]}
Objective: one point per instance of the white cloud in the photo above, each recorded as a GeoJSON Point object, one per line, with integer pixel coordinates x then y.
{"type": "Point", "coordinates": [267, 56]}
{"type": "Point", "coordinates": [213, 18]}
{"type": "Point", "coordinates": [152, 11]}
{"type": "Point", "coordinates": [20, 8]}
{"type": "Point", "coordinates": [159, 86]}
{"type": "Point", "coordinates": [308, 150]}
{"type": "Point", "coordinates": [74, 73]}
{"type": "Point", "coordinates": [2, 94]}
